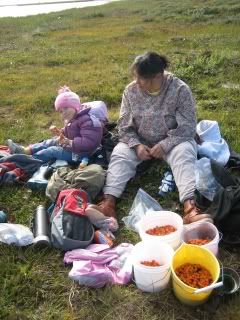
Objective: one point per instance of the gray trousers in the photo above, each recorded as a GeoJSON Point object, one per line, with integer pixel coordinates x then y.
{"type": "Point", "coordinates": [124, 161]}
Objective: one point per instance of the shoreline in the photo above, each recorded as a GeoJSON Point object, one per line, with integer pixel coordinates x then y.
{"type": "Point", "coordinates": [42, 3]}
{"type": "Point", "coordinates": [15, 10]}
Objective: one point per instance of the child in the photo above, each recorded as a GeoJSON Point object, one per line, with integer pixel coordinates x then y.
{"type": "Point", "coordinates": [80, 136]}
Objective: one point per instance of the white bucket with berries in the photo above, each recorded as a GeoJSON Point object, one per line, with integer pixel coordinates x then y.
{"type": "Point", "coordinates": [163, 226]}
{"type": "Point", "coordinates": [152, 265]}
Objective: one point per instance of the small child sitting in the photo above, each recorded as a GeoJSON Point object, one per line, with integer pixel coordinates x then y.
{"type": "Point", "coordinates": [80, 136]}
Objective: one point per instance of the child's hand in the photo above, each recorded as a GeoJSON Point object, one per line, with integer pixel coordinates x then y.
{"type": "Point", "coordinates": [55, 131]}
{"type": "Point", "coordinates": [63, 141]}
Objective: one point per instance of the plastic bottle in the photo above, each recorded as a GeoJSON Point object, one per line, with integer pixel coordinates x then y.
{"type": "Point", "coordinates": [41, 227]}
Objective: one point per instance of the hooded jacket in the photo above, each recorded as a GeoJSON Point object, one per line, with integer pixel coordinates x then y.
{"type": "Point", "coordinates": [85, 136]}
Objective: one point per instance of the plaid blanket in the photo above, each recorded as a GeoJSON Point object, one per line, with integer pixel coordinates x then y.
{"type": "Point", "coordinates": [9, 173]}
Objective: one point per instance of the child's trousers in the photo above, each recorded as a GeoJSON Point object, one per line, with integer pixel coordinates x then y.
{"type": "Point", "coordinates": [48, 150]}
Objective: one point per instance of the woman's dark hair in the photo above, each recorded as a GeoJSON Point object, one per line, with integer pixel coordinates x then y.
{"type": "Point", "coordinates": [149, 64]}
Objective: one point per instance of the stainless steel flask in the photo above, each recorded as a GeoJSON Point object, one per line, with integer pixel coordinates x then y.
{"type": "Point", "coordinates": [41, 227]}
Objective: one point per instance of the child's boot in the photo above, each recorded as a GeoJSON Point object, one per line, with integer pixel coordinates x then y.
{"type": "Point", "coordinates": [15, 147]}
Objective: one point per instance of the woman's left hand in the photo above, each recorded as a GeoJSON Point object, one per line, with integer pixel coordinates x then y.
{"type": "Point", "coordinates": [157, 152]}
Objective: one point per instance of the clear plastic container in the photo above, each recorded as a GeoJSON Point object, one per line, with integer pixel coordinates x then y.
{"type": "Point", "coordinates": [231, 281]}
{"type": "Point", "coordinates": [202, 230]}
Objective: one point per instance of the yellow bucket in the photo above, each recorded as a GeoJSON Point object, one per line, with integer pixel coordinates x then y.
{"type": "Point", "coordinates": [188, 253]}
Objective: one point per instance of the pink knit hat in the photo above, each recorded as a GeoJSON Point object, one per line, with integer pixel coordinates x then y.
{"type": "Point", "coordinates": [67, 99]}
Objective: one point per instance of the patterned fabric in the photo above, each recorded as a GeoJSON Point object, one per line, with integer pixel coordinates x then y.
{"type": "Point", "coordinates": [24, 162]}
{"type": "Point", "coordinates": [168, 118]}
{"type": "Point", "coordinates": [9, 173]}
{"type": "Point", "coordinates": [4, 151]}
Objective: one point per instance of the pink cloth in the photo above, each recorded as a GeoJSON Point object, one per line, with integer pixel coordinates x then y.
{"type": "Point", "coordinates": [99, 264]}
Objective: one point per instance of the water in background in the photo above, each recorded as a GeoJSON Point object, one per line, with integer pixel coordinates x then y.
{"type": "Point", "coordinates": [21, 8]}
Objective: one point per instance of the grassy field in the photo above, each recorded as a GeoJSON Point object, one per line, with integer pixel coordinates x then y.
{"type": "Point", "coordinates": [91, 50]}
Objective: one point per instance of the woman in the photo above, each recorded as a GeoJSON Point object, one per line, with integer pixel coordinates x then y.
{"type": "Point", "coordinates": [157, 120]}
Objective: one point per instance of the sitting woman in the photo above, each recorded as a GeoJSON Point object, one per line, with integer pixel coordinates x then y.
{"type": "Point", "coordinates": [80, 136]}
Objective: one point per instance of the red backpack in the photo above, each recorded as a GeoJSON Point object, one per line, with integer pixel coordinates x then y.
{"type": "Point", "coordinates": [70, 228]}
{"type": "Point", "coordinates": [75, 201]}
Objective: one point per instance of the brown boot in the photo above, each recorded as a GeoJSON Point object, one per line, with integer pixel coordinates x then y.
{"type": "Point", "coordinates": [107, 206]}
{"type": "Point", "coordinates": [193, 214]}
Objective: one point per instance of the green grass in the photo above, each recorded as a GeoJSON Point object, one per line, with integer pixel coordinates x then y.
{"type": "Point", "coordinates": [91, 50]}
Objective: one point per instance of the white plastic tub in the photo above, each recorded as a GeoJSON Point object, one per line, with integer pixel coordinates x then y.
{"type": "Point", "coordinates": [161, 218]}
{"type": "Point", "coordinates": [152, 279]}
{"type": "Point", "coordinates": [202, 230]}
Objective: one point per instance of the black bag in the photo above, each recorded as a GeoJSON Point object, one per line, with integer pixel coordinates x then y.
{"type": "Point", "coordinates": [225, 207]}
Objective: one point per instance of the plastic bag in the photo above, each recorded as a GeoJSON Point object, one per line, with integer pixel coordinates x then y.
{"type": "Point", "coordinates": [206, 184]}
{"type": "Point", "coordinates": [17, 234]}
{"type": "Point", "coordinates": [142, 203]}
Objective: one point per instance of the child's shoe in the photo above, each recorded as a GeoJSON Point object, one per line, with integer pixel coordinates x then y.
{"type": "Point", "coordinates": [15, 147]}
{"type": "Point", "coordinates": [167, 185]}
{"type": "Point", "coordinates": [104, 237]}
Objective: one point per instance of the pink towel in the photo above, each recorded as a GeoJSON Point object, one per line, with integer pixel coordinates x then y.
{"type": "Point", "coordinates": [98, 264]}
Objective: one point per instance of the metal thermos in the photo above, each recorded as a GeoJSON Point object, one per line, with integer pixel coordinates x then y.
{"type": "Point", "coordinates": [41, 226]}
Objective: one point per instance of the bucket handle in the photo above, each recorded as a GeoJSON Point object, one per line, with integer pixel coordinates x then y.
{"type": "Point", "coordinates": [220, 238]}
{"type": "Point", "coordinates": [220, 235]}
{"type": "Point", "coordinates": [201, 290]}
{"type": "Point", "coordinates": [212, 286]}
{"type": "Point", "coordinates": [205, 289]}
{"type": "Point", "coordinates": [153, 282]}
{"type": "Point", "coordinates": [208, 288]}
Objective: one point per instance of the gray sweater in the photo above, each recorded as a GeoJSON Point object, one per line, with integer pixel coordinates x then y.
{"type": "Point", "coordinates": [168, 118]}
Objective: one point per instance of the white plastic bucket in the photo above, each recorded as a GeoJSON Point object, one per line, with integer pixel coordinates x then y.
{"type": "Point", "coordinates": [161, 218]}
{"type": "Point", "coordinates": [202, 230]}
{"type": "Point", "coordinates": [152, 279]}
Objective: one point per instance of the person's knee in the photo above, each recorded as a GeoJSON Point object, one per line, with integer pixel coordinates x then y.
{"type": "Point", "coordinates": [190, 147]}
{"type": "Point", "coordinates": [123, 151]}
{"type": "Point", "coordinates": [185, 150]}
{"type": "Point", "coordinates": [53, 150]}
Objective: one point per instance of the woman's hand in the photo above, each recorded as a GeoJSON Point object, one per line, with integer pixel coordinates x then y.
{"type": "Point", "coordinates": [143, 152]}
{"type": "Point", "coordinates": [157, 152]}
